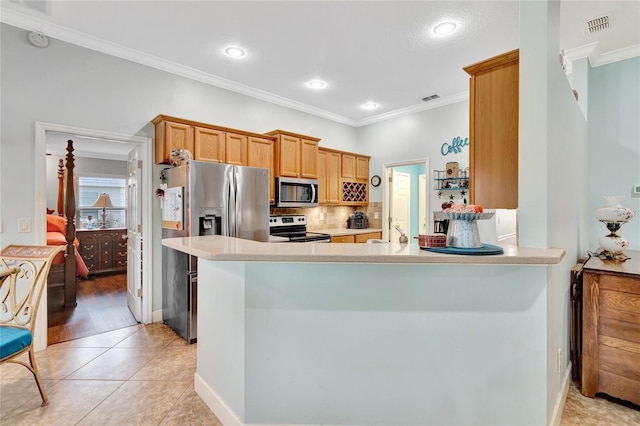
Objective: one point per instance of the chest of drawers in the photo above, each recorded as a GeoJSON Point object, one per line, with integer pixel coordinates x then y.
{"type": "Point", "coordinates": [103, 250]}
{"type": "Point", "coordinates": [611, 328]}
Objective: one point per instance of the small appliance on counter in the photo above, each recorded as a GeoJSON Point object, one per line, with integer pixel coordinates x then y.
{"type": "Point", "coordinates": [358, 220]}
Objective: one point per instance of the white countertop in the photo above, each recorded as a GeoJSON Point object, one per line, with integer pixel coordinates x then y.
{"type": "Point", "coordinates": [215, 247]}
{"type": "Point", "coordinates": [337, 232]}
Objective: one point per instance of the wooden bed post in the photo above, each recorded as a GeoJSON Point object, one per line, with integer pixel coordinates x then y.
{"type": "Point", "coordinates": [70, 214]}
{"type": "Point", "coordinates": [61, 188]}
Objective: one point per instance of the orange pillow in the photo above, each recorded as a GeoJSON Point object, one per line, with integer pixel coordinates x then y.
{"type": "Point", "coordinates": [56, 224]}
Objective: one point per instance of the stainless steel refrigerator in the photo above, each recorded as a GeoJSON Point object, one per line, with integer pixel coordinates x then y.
{"type": "Point", "coordinates": [202, 198]}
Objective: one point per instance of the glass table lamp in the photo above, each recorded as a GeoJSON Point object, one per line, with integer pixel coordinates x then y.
{"type": "Point", "coordinates": [613, 216]}
{"type": "Point", "coordinates": [103, 201]}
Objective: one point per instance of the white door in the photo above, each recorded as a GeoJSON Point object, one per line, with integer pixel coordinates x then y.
{"type": "Point", "coordinates": [134, 234]}
{"type": "Point", "coordinates": [400, 204]}
{"type": "Point", "coordinates": [422, 209]}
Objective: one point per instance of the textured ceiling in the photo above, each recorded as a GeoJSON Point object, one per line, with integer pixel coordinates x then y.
{"type": "Point", "coordinates": [377, 51]}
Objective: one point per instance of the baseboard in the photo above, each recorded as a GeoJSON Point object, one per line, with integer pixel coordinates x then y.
{"type": "Point", "coordinates": [562, 398]}
{"type": "Point", "coordinates": [226, 416]}
{"type": "Point", "coordinates": [156, 316]}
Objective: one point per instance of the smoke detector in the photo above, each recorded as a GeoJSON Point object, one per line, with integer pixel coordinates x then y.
{"type": "Point", "coordinates": [430, 98]}
{"type": "Point", "coordinates": [597, 24]}
{"type": "Point", "coordinates": [37, 39]}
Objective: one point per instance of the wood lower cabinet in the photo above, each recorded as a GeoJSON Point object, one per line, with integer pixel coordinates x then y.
{"type": "Point", "coordinates": [493, 131]}
{"type": "Point", "coordinates": [103, 250]}
{"type": "Point", "coordinates": [363, 238]}
{"type": "Point", "coordinates": [611, 328]}
{"type": "Point", "coordinates": [357, 238]}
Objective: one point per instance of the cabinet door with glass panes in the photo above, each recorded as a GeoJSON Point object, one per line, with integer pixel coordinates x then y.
{"type": "Point", "coordinates": [101, 202]}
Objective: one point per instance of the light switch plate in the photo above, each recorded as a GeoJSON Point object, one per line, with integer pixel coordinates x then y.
{"type": "Point", "coordinates": [636, 189]}
{"type": "Point", "coordinates": [24, 224]}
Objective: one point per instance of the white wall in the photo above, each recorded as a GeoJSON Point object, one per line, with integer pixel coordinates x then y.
{"type": "Point", "coordinates": [414, 137]}
{"type": "Point", "coordinates": [552, 186]}
{"type": "Point", "coordinates": [69, 85]}
{"type": "Point", "coordinates": [614, 144]}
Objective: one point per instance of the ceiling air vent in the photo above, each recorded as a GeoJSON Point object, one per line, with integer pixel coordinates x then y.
{"type": "Point", "coordinates": [430, 98]}
{"type": "Point", "coordinates": [597, 24]}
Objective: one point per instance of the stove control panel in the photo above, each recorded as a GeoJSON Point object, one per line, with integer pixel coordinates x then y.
{"type": "Point", "coordinates": [287, 220]}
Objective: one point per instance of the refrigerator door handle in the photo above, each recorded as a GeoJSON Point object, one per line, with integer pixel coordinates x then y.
{"type": "Point", "coordinates": [236, 205]}
{"type": "Point", "coordinates": [231, 206]}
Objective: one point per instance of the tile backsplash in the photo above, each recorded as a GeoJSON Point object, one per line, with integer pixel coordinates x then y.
{"type": "Point", "coordinates": [333, 217]}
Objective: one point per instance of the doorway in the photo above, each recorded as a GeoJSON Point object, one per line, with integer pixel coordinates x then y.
{"type": "Point", "coordinates": [46, 133]}
{"type": "Point", "coordinates": [406, 199]}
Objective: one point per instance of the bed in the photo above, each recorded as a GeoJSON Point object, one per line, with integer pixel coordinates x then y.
{"type": "Point", "coordinates": [68, 265]}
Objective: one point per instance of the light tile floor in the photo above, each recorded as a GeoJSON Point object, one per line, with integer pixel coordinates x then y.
{"type": "Point", "coordinates": [140, 375]}
{"type": "Point", "coordinates": [143, 375]}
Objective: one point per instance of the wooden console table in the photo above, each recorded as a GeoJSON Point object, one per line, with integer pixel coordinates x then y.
{"type": "Point", "coordinates": [611, 328]}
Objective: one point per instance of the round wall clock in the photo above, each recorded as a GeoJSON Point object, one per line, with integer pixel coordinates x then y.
{"type": "Point", "coordinates": [375, 181]}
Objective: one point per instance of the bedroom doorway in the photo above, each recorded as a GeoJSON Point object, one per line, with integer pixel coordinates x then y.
{"type": "Point", "coordinates": [109, 144]}
{"type": "Point", "coordinates": [406, 199]}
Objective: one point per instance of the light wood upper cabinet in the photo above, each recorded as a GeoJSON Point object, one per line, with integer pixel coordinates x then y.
{"type": "Point", "coordinates": [329, 176]}
{"type": "Point", "coordinates": [362, 168]}
{"type": "Point", "coordinates": [261, 153]}
{"type": "Point", "coordinates": [348, 166]}
{"type": "Point", "coordinates": [296, 155]}
{"type": "Point", "coordinates": [288, 156]}
{"type": "Point", "coordinates": [236, 149]}
{"type": "Point", "coordinates": [355, 179]}
{"type": "Point", "coordinates": [169, 136]}
{"type": "Point", "coordinates": [209, 145]}
{"type": "Point", "coordinates": [308, 159]}
{"type": "Point", "coordinates": [355, 166]}
{"type": "Point", "coordinates": [493, 131]}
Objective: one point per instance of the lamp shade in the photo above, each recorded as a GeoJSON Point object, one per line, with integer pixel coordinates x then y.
{"type": "Point", "coordinates": [103, 201]}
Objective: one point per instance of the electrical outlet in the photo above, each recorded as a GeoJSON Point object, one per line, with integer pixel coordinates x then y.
{"type": "Point", "coordinates": [376, 215]}
{"type": "Point", "coordinates": [321, 216]}
{"type": "Point", "coordinates": [559, 359]}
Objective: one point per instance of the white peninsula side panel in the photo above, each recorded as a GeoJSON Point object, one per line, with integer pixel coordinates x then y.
{"type": "Point", "coordinates": [372, 344]}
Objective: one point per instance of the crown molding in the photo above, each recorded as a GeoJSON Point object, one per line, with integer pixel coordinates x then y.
{"type": "Point", "coordinates": [29, 22]}
{"type": "Point", "coordinates": [596, 58]}
{"type": "Point", "coordinates": [447, 100]}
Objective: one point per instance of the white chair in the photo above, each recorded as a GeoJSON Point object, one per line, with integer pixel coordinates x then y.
{"type": "Point", "coordinates": [23, 274]}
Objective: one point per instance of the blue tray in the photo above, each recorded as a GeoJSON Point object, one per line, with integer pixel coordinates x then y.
{"type": "Point", "coordinates": [486, 249]}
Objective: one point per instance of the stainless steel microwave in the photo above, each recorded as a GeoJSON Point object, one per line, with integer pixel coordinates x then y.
{"type": "Point", "coordinates": [295, 192]}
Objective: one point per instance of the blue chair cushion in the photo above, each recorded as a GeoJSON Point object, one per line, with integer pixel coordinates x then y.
{"type": "Point", "coordinates": [13, 340]}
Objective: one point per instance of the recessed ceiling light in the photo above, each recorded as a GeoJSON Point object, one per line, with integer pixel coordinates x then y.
{"type": "Point", "coordinates": [444, 28]}
{"type": "Point", "coordinates": [316, 84]}
{"type": "Point", "coordinates": [234, 52]}
{"type": "Point", "coordinates": [370, 105]}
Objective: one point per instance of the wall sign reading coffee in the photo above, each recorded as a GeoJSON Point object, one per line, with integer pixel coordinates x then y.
{"type": "Point", "coordinates": [455, 146]}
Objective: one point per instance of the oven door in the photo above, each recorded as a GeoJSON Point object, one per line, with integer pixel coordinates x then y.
{"type": "Point", "coordinates": [293, 192]}
{"type": "Point", "coordinates": [311, 237]}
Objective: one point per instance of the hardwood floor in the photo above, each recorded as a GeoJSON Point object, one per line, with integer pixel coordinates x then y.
{"type": "Point", "coordinates": [102, 306]}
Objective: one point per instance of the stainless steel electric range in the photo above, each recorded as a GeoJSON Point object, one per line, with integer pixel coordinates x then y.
{"type": "Point", "coordinates": [294, 229]}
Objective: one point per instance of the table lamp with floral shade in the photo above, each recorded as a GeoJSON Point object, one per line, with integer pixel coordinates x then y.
{"type": "Point", "coordinates": [103, 201]}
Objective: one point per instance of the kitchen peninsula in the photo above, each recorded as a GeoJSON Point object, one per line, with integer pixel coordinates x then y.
{"type": "Point", "coordinates": [370, 334]}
